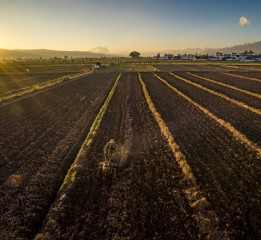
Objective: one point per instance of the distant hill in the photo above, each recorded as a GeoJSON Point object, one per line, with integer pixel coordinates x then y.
{"type": "Point", "coordinates": [256, 47]}
{"type": "Point", "coordinates": [45, 53]}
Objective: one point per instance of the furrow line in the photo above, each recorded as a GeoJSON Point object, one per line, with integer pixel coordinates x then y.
{"type": "Point", "coordinates": [72, 172]}
{"type": "Point", "coordinates": [239, 76]}
{"type": "Point", "coordinates": [238, 103]}
{"type": "Point", "coordinates": [71, 175]}
{"type": "Point", "coordinates": [228, 86]}
{"type": "Point", "coordinates": [207, 220]}
{"type": "Point", "coordinates": [238, 135]}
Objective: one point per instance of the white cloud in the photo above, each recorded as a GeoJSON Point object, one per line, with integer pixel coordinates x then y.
{"type": "Point", "coordinates": [243, 21]}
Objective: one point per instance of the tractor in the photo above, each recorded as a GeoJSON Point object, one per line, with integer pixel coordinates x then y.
{"type": "Point", "coordinates": [106, 168]}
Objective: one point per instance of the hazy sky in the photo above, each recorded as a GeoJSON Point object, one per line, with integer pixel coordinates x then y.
{"type": "Point", "coordinates": [124, 25]}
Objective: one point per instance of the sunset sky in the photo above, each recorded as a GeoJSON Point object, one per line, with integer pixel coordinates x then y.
{"type": "Point", "coordinates": [117, 26]}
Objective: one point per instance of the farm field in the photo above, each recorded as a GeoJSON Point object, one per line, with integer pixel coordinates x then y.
{"type": "Point", "coordinates": [40, 136]}
{"type": "Point", "coordinates": [14, 78]}
{"type": "Point", "coordinates": [189, 156]}
{"type": "Point", "coordinates": [208, 67]}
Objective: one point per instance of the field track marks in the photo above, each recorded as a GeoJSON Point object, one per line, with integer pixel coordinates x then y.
{"type": "Point", "coordinates": [207, 220]}
{"type": "Point", "coordinates": [228, 86]}
{"type": "Point", "coordinates": [240, 104]}
{"type": "Point", "coordinates": [238, 135]}
{"type": "Point", "coordinates": [239, 76]}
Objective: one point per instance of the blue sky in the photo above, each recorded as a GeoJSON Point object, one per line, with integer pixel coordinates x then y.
{"type": "Point", "coordinates": [123, 25]}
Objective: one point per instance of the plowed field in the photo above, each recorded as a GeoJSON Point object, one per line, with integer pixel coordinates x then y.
{"type": "Point", "coordinates": [40, 137]}
{"type": "Point", "coordinates": [188, 155]}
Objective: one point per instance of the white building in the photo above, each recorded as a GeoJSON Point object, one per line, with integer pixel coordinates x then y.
{"type": "Point", "coordinates": [187, 57]}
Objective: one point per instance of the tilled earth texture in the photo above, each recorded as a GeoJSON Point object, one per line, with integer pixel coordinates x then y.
{"type": "Point", "coordinates": [188, 157]}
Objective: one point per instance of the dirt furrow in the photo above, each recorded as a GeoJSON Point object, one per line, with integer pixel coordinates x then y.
{"type": "Point", "coordinates": [27, 194]}
{"type": "Point", "coordinates": [146, 201]}
{"type": "Point", "coordinates": [214, 156]}
{"type": "Point", "coordinates": [239, 96]}
{"type": "Point", "coordinates": [241, 119]}
{"type": "Point", "coordinates": [244, 84]}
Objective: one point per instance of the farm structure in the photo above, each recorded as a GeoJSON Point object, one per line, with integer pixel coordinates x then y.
{"type": "Point", "coordinates": [189, 158]}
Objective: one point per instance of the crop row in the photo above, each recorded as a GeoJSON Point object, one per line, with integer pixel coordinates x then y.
{"type": "Point", "coordinates": [188, 167]}
{"type": "Point", "coordinates": [240, 84]}
{"type": "Point", "coordinates": [249, 123]}
{"type": "Point", "coordinates": [210, 170]}
{"type": "Point", "coordinates": [240, 95]}
{"type": "Point", "coordinates": [225, 167]}
{"type": "Point", "coordinates": [149, 186]}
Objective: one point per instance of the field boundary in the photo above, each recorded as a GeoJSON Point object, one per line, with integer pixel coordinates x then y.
{"type": "Point", "coordinates": [72, 172]}
{"type": "Point", "coordinates": [238, 103]}
{"type": "Point", "coordinates": [235, 133]}
{"type": "Point", "coordinates": [239, 76]}
{"type": "Point", "coordinates": [227, 85]}
{"type": "Point", "coordinates": [207, 220]}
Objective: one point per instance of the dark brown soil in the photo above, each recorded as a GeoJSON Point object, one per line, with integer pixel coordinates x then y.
{"type": "Point", "coordinates": [40, 137]}
{"type": "Point", "coordinates": [231, 93]}
{"type": "Point", "coordinates": [245, 84]}
{"type": "Point", "coordinates": [246, 122]}
{"type": "Point", "coordinates": [146, 201]}
{"type": "Point", "coordinates": [228, 173]}
{"type": "Point", "coordinates": [42, 134]}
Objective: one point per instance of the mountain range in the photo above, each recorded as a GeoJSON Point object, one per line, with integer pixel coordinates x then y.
{"type": "Point", "coordinates": [256, 47]}
{"type": "Point", "coordinates": [45, 53]}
